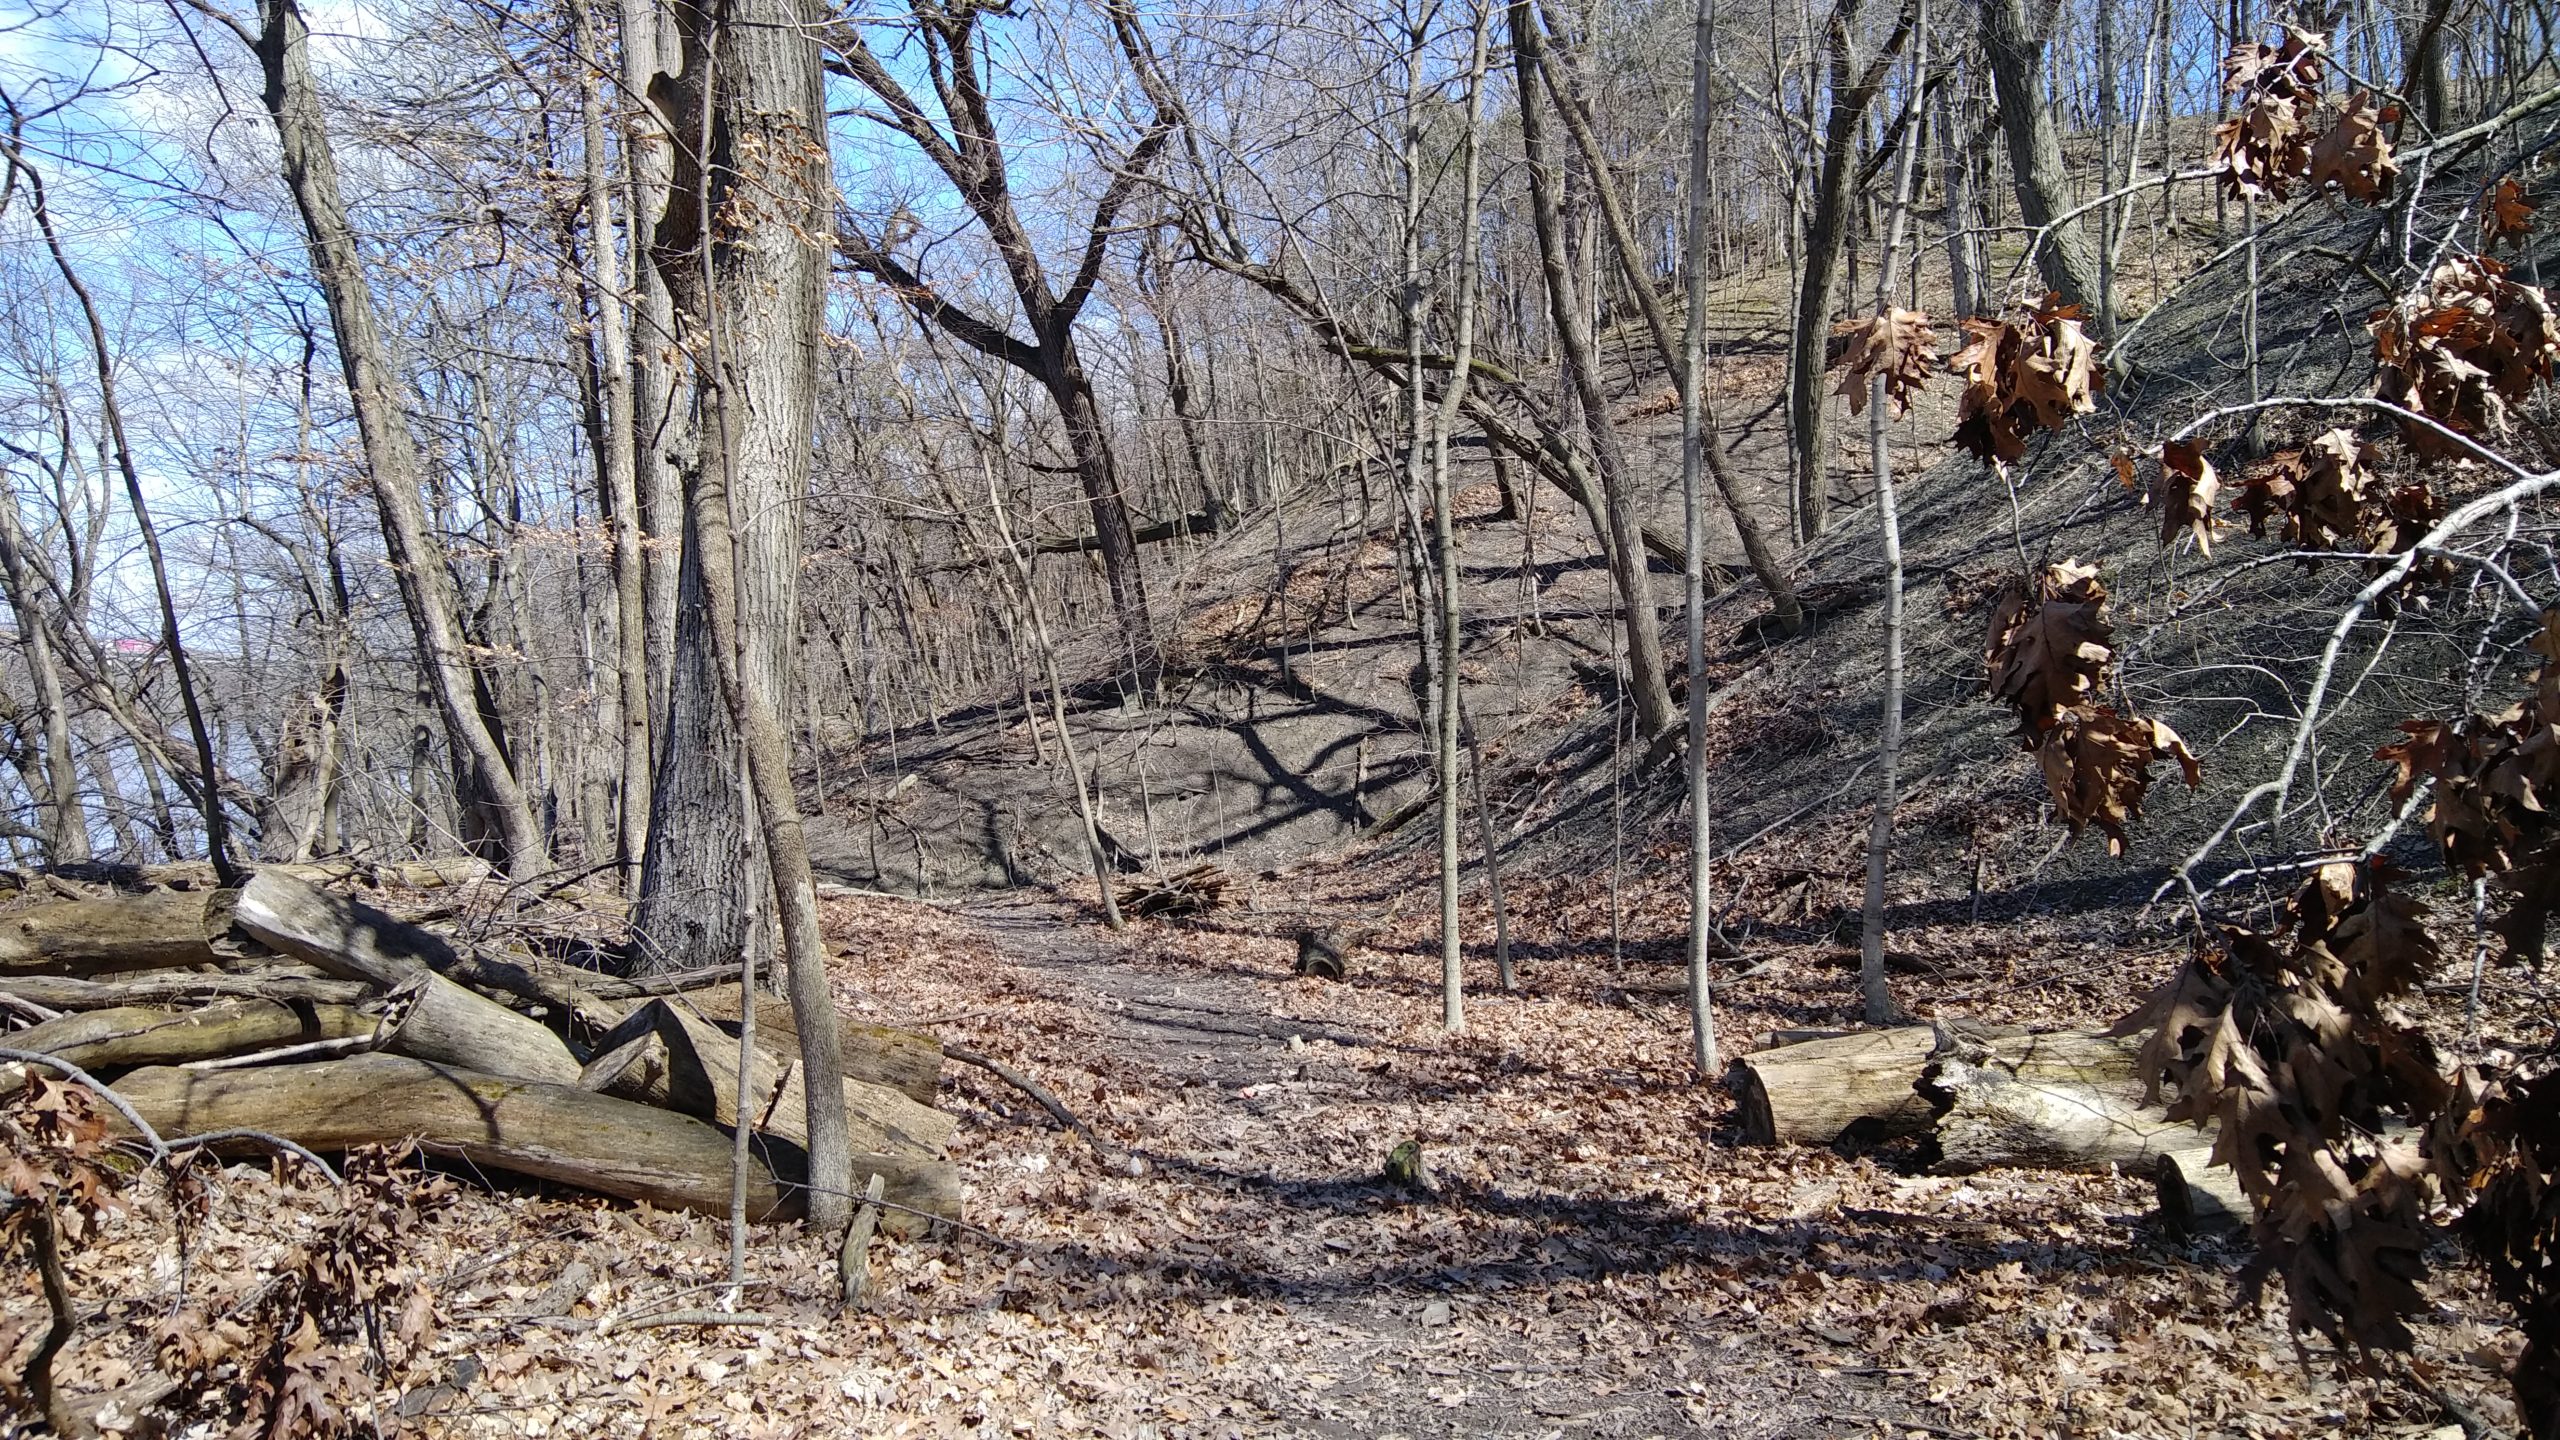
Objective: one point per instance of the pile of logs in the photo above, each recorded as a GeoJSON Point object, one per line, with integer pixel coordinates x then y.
{"type": "Point", "coordinates": [288, 1010]}
{"type": "Point", "coordinates": [1980, 1098]}
{"type": "Point", "coordinates": [1195, 891]}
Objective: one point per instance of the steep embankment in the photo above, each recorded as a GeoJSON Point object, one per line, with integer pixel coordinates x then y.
{"type": "Point", "coordinates": [1291, 735]}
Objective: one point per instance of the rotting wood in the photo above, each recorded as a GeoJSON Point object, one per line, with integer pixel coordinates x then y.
{"type": "Point", "coordinates": [702, 1066]}
{"type": "Point", "coordinates": [450, 1024]}
{"type": "Point", "coordinates": [136, 1035]}
{"type": "Point", "coordinates": [551, 1132]}
{"type": "Point", "coordinates": [151, 930]}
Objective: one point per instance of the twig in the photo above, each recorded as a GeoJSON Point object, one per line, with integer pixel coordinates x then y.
{"type": "Point", "coordinates": [29, 1008]}
{"type": "Point", "coordinates": [342, 1045]}
{"type": "Point", "coordinates": [272, 1142]}
{"type": "Point", "coordinates": [116, 1102]}
{"type": "Point", "coordinates": [1057, 1109]}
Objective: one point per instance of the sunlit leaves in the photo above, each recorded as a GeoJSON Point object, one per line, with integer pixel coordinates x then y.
{"type": "Point", "coordinates": [2028, 372]}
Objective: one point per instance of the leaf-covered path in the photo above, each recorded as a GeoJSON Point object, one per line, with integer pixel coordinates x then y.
{"type": "Point", "coordinates": [1390, 1312]}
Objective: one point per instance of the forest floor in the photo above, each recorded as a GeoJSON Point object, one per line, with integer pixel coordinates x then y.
{"type": "Point", "coordinates": [1600, 1258]}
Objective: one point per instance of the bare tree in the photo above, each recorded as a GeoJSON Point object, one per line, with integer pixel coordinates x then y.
{"type": "Point", "coordinates": [1650, 688]}
{"type": "Point", "coordinates": [496, 813]}
{"type": "Point", "coordinates": [740, 249]}
{"type": "Point", "coordinates": [971, 158]}
{"type": "Point", "coordinates": [1853, 91]}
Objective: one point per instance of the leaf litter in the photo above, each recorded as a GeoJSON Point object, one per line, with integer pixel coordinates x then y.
{"type": "Point", "coordinates": [1598, 1256]}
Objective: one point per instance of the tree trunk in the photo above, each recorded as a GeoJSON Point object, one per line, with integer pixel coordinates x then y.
{"type": "Point", "coordinates": [2015, 48]}
{"type": "Point", "coordinates": [1880, 1008]}
{"type": "Point", "coordinates": [1098, 472]}
{"type": "Point", "coordinates": [1694, 445]}
{"type": "Point", "coordinates": [398, 473]}
{"type": "Point", "coordinates": [1764, 563]}
{"type": "Point", "coordinates": [617, 483]}
{"type": "Point", "coordinates": [1650, 688]}
{"type": "Point", "coordinates": [1826, 229]}
{"type": "Point", "coordinates": [661, 424]}
{"type": "Point", "coordinates": [293, 814]}
{"type": "Point", "coordinates": [55, 786]}
{"type": "Point", "coordinates": [740, 251]}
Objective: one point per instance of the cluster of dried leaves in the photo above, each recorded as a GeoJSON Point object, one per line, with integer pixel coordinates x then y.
{"type": "Point", "coordinates": [2461, 350]}
{"type": "Point", "coordinates": [1897, 345]}
{"type": "Point", "coordinates": [2277, 134]}
{"type": "Point", "coordinates": [2027, 372]}
{"type": "Point", "coordinates": [2048, 658]}
{"type": "Point", "coordinates": [2336, 1114]}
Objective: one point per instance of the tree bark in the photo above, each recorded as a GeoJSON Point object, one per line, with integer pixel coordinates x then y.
{"type": "Point", "coordinates": [1826, 230]}
{"type": "Point", "coordinates": [2014, 45]}
{"type": "Point", "coordinates": [398, 473]}
{"type": "Point", "coordinates": [1647, 683]}
{"type": "Point", "coordinates": [1764, 562]}
{"type": "Point", "coordinates": [747, 274]}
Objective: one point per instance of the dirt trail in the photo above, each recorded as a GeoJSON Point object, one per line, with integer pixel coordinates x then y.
{"type": "Point", "coordinates": [1381, 1346]}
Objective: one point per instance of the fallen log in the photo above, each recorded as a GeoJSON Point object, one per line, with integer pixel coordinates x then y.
{"type": "Point", "coordinates": [349, 937]}
{"type": "Point", "coordinates": [905, 1060]}
{"type": "Point", "coordinates": [552, 1132]}
{"type": "Point", "coordinates": [702, 1076]}
{"type": "Point", "coordinates": [450, 1025]}
{"type": "Point", "coordinates": [146, 1035]}
{"type": "Point", "coordinates": [432, 874]}
{"type": "Point", "coordinates": [149, 930]}
{"type": "Point", "coordinates": [296, 985]}
{"type": "Point", "coordinates": [1814, 1092]}
{"type": "Point", "coordinates": [2058, 1101]}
